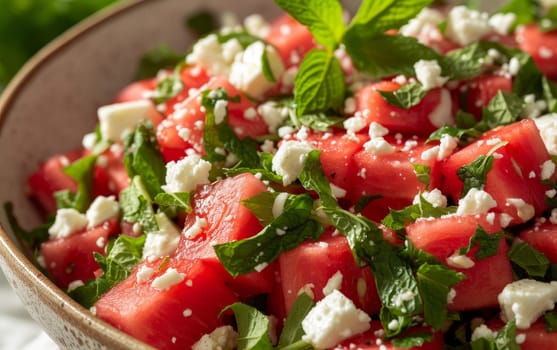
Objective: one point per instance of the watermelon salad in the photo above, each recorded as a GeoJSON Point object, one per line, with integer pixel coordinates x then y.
{"type": "Point", "coordinates": [381, 180]}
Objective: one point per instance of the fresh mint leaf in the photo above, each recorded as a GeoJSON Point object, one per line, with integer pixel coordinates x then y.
{"type": "Point", "coordinates": [218, 137]}
{"type": "Point", "coordinates": [488, 244]}
{"type": "Point", "coordinates": [411, 341]}
{"type": "Point", "coordinates": [33, 238]}
{"type": "Point", "coordinates": [506, 338]}
{"type": "Point", "coordinates": [315, 121]}
{"type": "Point", "coordinates": [469, 133]}
{"type": "Point", "coordinates": [244, 38]}
{"type": "Point", "coordinates": [154, 60]}
{"type": "Point", "coordinates": [142, 157]}
{"type": "Point", "coordinates": [202, 23]}
{"type": "Point", "coordinates": [378, 17]}
{"type": "Point", "coordinates": [253, 327]}
{"type": "Point", "coordinates": [319, 84]}
{"type": "Point", "coordinates": [363, 201]}
{"type": "Point", "coordinates": [322, 17]}
{"type": "Point", "coordinates": [529, 77]}
{"type": "Point", "coordinates": [474, 174]}
{"type": "Point", "coordinates": [122, 256]}
{"type": "Point", "coordinates": [394, 325]}
{"type": "Point", "coordinates": [387, 55]}
{"type": "Point", "coordinates": [528, 259]}
{"type": "Point", "coordinates": [174, 203]}
{"type": "Point", "coordinates": [504, 109]}
{"type": "Point", "coordinates": [82, 171]}
{"type": "Point", "coordinates": [292, 227]}
{"type": "Point", "coordinates": [550, 95]}
{"type": "Point", "coordinates": [398, 219]}
{"type": "Point", "coordinates": [168, 87]}
{"type": "Point", "coordinates": [550, 320]}
{"type": "Point", "coordinates": [136, 206]}
{"type": "Point", "coordinates": [423, 173]}
{"type": "Point", "coordinates": [267, 70]}
{"type": "Point", "coordinates": [468, 61]}
{"type": "Point", "coordinates": [406, 96]}
{"type": "Point", "coordinates": [263, 169]}
{"type": "Point", "coordinates": [435, 282]}
{"type": "Point", "coordinates": [293, 331]}
{"type": "Point", "coordinates": [261, 206]}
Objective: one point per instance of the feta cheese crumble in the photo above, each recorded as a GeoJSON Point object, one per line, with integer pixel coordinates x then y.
{"type": "Point", "coordinates": [332, 320]}
{"type": "Point", "coordinates": [475, 202]}
{"type": "Point", "coordinates": [526, 300]}
{"type": "Point", "coordinates": [163, 242]}
{"type": "Point", "coordinates": [186, 174]}
{"type": "Point", "coordinates": [116, 120]}
{"type": "Point", "coordinates": [465, 26]}
{"type": "Point", "coordinates": [102, 209]}
{"type": "Point", "coordinates": [289, 160]}
{"type": "Point", "coordinates": [222, 338]}
{"type": "Point", "coordinates": [168, 279]}
{"type": "Point", "coordinates": [67, 222]}
{"type": "Point", "coordinates": [428, 74]}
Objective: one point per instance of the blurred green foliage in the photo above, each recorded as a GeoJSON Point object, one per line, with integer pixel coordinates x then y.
{"type": "Point", "coordinates": [27, 25]}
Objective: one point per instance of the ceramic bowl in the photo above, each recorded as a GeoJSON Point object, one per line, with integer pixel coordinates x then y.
{"type": "Point", "coordinates": [47, 109]}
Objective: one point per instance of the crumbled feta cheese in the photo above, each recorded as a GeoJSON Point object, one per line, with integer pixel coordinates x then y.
{"type": "Point", "coordinates": [247, 71]}
{"type": "Point", "coordinates": [337, 191]}
{"type": "Point", "coordinates": [428, 74]}
{"type": "Point", "coordinates": [168, 279]}
{"type": "Point", "coordinates": [196, 228]}
{"type": "Point", "coordinates": [354, 124]}
{"type": "Point", "coordinates": [208, 52]}
{"type": "Point", "coordinates": [289, 160]}
{"type": "Point", "coordinates": [426, 19]}
{"type": "Point", "coordinates": [460, 261]}
{"type": "Point", "coordinates": [268, 146]}
{"type": "Point", "coordinates": [547, 125]}
{"type": "Point", "coordinates": [278, 204]}
{"type": "Point", "coordinates": [116, 120]}
{"type": "Point", "coordinates": [102, 209]}
{"type": "Point", "coordinates": [475, 202]}
{"type": "Point", "coordinates": [442, 114]}
{"type": "Point", "coordinates": [89, 140]}
{"type": "Point", "coordinates": [526, 300]}
{"type": "Point", "coordinates": [332, 320]}
{"type": "Point", "coordinates": [505, 219]}
{"type": "Point", "coordinates": [524, 210]}
{"type": "Point", "coordinates": [377, 130]}
{"type": "Point", "coordinates": [431, 153]}
{"type": "Point", "coordinates": [256, 25]}
{"type": "Point", "coordinates": [222, 338]}
{"type": "Point", "coordinates": [451, 295]}
{"type": "Point", "coordinates": [163, 242]}
{"type": "Point", "coordinates": [435, 197]}
{"type": "Point", "coordinates": [378, 146]}
{"type": "Point", "coordinates": [465, 26]}
{"type": "Point", "coordinates": [186, 174]}
{"type": "Point", "coordinates": [548, 169]}
{"type": "Point", "coordinates": [221, 110]}
{"type": "Point", "coordinates": [67, 222]}
{"type": "Point", "coordinates": [502, 22]}
{"type": "Point", "coordinates": [533, 108]}
{"type": "Point", "coordinates": [350, 105]}
{"type": "Point", "coordinates": [334, 283]}
{"type": "Point", "coordinates": [482, 331]}
{"type": "Point", "coordinates": [272, 114]}
{"type": "Point", "coordinates": [144, 274]}
{"type": "Point", "coordinates": [447, 145]}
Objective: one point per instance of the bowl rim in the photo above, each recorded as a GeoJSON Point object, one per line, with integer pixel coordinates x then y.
{"type": "Point", "coordinates": [11, 256]}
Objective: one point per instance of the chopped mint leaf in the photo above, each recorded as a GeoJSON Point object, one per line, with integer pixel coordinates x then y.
{"type": "Point", "coordinates": [398, 219]}
{"type": "Point", "coordinates": [244, 38]}
{"type": "Point", "coordinates": [411, 341]}
{"type": "Point", "coordinates": [169, 87]}
{"type": "Point", "coordinates": [122, 255]}
{"type": "Point", "coordinates": [154, 60]}
{"type": "Point", "coordinates": [550, 94]}
{"type": "Point", "coordinates": [201, 23]}
{"type": "Point", "coordinates": [136, 206]}
{"type": "Point", "coordinates": [506, 338]}
{"type": "Point", "coordinates": [219, 137]}
{"type": "Point", "coordinates": [173, 204]}
{"type": "Point", "coordinates": [504, 109]}
{"type": "Point", "coordinates": [474, 174]}
{"type": "Point", "coordinates": [378, 17]}
{"type": "Point", "coordinates": [292, 227]}
{"type": "Point", "coordinates": [529, 78]}
{"type": "Point", "coordinates": [550, 320]}
{"type": "Point", "coordinates": [488, 244]}
{"type": "Point", "coordinates": [315, 121]}
{"type": "Point", "coordinates": [435, 282]}
{"type": "Point", "coordinates": [397, 54]}
{"type": "Point", "coordinates": [364, 201]}
{"type": "Point", "coordinates": [469, 61]}
{"type": "Point", "coordinates": [261, 206]}
{"type": "Point", "coordinates": [394, 325]}
{"type": "Point", "coordinates": [82, 171]}
{"type": "Point", "coordinates": [253, 327]}
{"type": "Point", "coordinates": [423, 172]}
{"type": "Point", "coordinates": [322, 17]}
{"type": "Point", "coordinates": [529, 260]}
{"type": "Point", "coordinates": [142, 157]}
{"type": "Point", "coordinates": [319, 84]}
{"type": "Point", "coordinates": [263, 169]}
{"type": "Point", "coordinates": [293, 331]}
{"type": "Point", "coordinates": [406, 96]}
{"type": "Point", "coordinates": [33, 238]}
{"type": "Point", "coordinates": [468, 133]}
{"type": "Point", "coordinates": [267, 71]}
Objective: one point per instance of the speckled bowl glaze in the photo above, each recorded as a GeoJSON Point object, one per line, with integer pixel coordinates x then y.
{"type": "Point", "coordinates": [46, 110]}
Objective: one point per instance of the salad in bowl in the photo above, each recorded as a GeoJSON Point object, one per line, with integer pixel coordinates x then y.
{"type": "Point", "coordinates": [318, 180]}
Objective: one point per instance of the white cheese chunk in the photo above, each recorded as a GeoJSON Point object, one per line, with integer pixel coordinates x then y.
{"type": "Point", "coordinates": [547, 170]}
{"type": "Point", "coordinates": [163, 242]}
{"type": "Point", "coordinates": [289, 160]}
{"type": "Point", "coordinates": [427, 18]}
{"type": "Point", "coordinates": [222, 338]}
{"type": "Point", "coordinates": [465, 26]}
{"type": "Point", "coordinates": [377, 130]}
{"type": "Point", "coordinates": [272, 114]}
{"type": "Point", "coordinates": [196, 228]}
{"type": "Point", "coordinates": [208, 52]}
{"type": "Point", "coordinates": [524, 210]}
{"type": "Point", "coordinates": [442, 114]}
{"type": "Point", "coordinates": [168, 279]}
{"type": "Point", "coordinates": [547, 125]}
{"type": "Point", "coordinates": [334, 283]}
{"type": "Point", "coordinates": [475, 202]}
{"type": "Point", "coordinates": [332, 320]}
{"type": "Point", "coordinates": [502, 22]}
{"type": "Point", "coordinates": [428, 74]}
{"type": "Point", "coordinates": [186, 174]}
{"type": "Point", "coordinates": [526, 300]}
{"type": "Point", "coordinates": [67, 222]}
{"type": "Point", "coordinates": [116, 120]}
{"type": "Point", "coordinates": [435, 197]}
{"type": "Point", "coordinates": [102, 209]}
{"type": "Point", "coordinates": [460, 261]}
{"type": "Point", "coordinates": [247, 71]}
{"type": "Point", "coordinates": [378, 146]}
